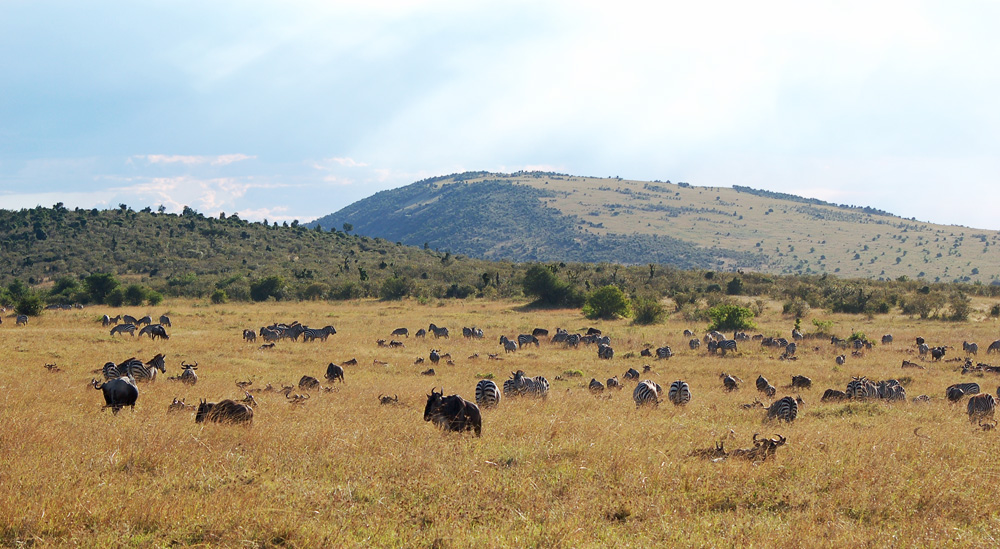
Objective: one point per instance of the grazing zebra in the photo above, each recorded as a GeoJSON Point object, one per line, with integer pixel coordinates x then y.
{"type": "Point", "coordinates": [688, 333]}
{"type": "Point", "coordinates": [123, 328]}
{"type": "Point", "coordinates": [994, 347]}
{"type": "Point", "coordinates": [886, 339]}
{"type": "Point", "coordinates": [840, 360]}
{"type": "Point", "coordinates": [154, 331]}
{"type": "Point", "coordinates": [524, 339]}
{"type": "Point", "coordinates": [680, 393]}
{"type": "Point", "coordinates": [981, 406]}
{"type": "Point", "coordinates": [664, 353]}
{"type": "Point", "coordinates": [785, 409]}
{"type": "Point", "coordinates": [646, 392]}
{"type": "Point", "coordinates": [716, 335]}
{"type": "Point", "coordinates": [694, 344]}
{"type": "Point", "coordinates": [147, 371]}
{"type": "Point", "coordinates": [249, 336]}
{"type": "Point", "coordinates": [165, 320]}
{"type": "Point", "coordinates": [532, 386]}
{"type": "Point", "coordinates": [108, 320]}
{"type": "Point", "coordinates": [801, 381]}
{"type": "Point", "coordinates": [129, 319]}
{"type": "Point", "coordinates": [632, 373]}
{"type": "Point", "coordinates": [510, 388]}
{"type": "Point", "coordinates": [790, 350]}
{"type": "Point", "coordinates": [310, 334]}
{"type": "Point", "coordinates": [762, 383]}
{"type": "Point", "coordinates": [189, 376]}
{"type": "Point", "coordinates": [21, 320]}
{"type": "Point", "coordinates": [438, 332]}
{"type": "Point", "coordinates": [487, 394]}
{"type": "Point", "coordinates": [861, 388]}
{"type": "Point", "coordinates": [401, 332]}
{"type": "Point", "coordinates": [595, 386]}
{"type": "Point", "coordinates": [420, 333]}
{"type": "Point", "coordinates": [966, 388]}
{"type": "Point", "coordinates": [970, 348]}
{"type": "Point", "coordinates": [508, 345]}
{"type": "Point", "coordinates": [922, 349]}
{"type": "Point", "coordinates": [605, 352]}
{"type": "Point", "coordinates": [573, 340]}
{"type": "Point", "coordinates": [613, 383]}
{"type": "Point", "coordinates": [726, 345]}
{"type": "Point", "coordinates": [146, 321]}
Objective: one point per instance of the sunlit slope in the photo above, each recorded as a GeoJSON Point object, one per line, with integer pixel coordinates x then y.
{"type": "Point", "coordinates": [553, 217]}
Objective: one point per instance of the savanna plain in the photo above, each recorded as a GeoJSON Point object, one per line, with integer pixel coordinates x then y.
{"type": "Point", "coordinates": [576, 469]}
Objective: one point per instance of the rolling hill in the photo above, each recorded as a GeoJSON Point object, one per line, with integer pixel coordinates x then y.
{"type": "Point", "coordinates": [537, 216]}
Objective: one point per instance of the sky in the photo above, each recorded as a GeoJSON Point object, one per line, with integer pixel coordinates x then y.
{"type": "Point", "coordinates": [294, 109]}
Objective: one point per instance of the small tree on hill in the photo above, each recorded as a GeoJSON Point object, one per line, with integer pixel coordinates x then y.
{"type": "Point", "coordinates": [607, 302]}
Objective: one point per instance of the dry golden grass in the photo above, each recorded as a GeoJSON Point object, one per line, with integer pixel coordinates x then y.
{"type": "Point", "coordinates": [573, 470]}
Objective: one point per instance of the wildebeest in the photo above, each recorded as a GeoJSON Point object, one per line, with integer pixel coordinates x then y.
{"type": "Point", "coordinates": [595, 386]}
{"type": "Point", "coordinates": [833, 395]}
{"type": "Point", "coordinates": [308, 382]}
{"type": "Point", "coordinates": [225, 411]}
{"type": "Point", "coordinates": [540, 332]}
{"type": "Point", "coordinates": [249, 336]}
{"type": "Point", "coordinates": [334, 372]}
{"type": "Point", "coordinates": [179, 406]}
{"type": "Point", "coordinates": [118, 393]}
{"type": "Point", "coordinates": [154, 331]}
{"type": "Point", "coordinates": [801, 381]}
{"type": "Point", "coordinates": [189, 376]}
{"type": "Point", "coordinates": [453, 413]}
{"type": "Point", "coordinates": [632, 373]}
{"type": "Point", "coordinates": [613, 383]}
{"type": "Point", "coordinates": [388, 400]}
{"type": "Point", "coordinates": [165, 320]}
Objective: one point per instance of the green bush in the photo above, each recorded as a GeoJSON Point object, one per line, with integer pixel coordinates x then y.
{"type": "Point", "coordinates": [796, 307]}
{"type": "Point", "coordinates": [607, 302]}
{"type": "Point", "coordinates": [115, 297]}
{"type": "Point", "coordinates": [541, 282]}
{"type": "Point", "coordinates": [100, 286]}
{"type": "Point", "coordinates": [395, 288]}
{"type": "Point", "coordinates": [219, 297]}
{"type": "Point", "coordinates": [154, 297]}
{"type": "Point", "coordinates": [727, 317]}
{"type": "Point", "coordinates": [272, 286]}
{"type": "Point", "coordinates": [30, 304]}
{"type": "Point", "coordinates": [135, 294]}
{"type": "Point", "coordinates": [648, 311]}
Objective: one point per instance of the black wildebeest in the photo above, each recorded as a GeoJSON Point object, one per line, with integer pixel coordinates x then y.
{"type": "Point", "coordinates": [118, 393]}
{"type": "Point", "coordinates": [226, 411]}
{"type": "Point", "coordinates": [334, 372]}
{"type": "Point", "coordinates": [453, 413]}
{"type": "Point", "coordinates": [308, 382]}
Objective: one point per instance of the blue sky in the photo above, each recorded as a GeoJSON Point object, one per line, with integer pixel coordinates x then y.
{"type": "Point", "coordinates": [294, 109]}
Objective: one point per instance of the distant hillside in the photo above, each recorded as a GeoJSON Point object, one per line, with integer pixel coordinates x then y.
{"type": "Point", "coordinates": [535, 216]}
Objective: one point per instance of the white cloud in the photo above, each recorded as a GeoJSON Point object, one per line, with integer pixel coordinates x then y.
{"type": "Point", "coordinates": [188, 160]}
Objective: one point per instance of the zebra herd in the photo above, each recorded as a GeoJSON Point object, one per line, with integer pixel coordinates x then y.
{"type": "Point", "coordinates": [278, 332]}
{"type": "Point", "coordinates": [134, 368]}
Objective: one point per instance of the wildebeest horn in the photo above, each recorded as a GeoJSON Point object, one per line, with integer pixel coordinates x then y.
{"type": "Point", "coordinates": [396, 397]}
{"type": "Point", "coordinates": [755, 437]}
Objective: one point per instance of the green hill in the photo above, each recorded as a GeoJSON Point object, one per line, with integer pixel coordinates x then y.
{"type": "Point", "coordinates": [534, 216]}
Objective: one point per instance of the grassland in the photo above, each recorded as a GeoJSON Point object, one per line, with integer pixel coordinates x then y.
{"type": "Point", "coordinates": [574, 470]}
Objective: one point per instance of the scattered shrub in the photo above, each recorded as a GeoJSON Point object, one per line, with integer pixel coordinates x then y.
{"type": "Point", "coordinates": [728, 317]}
{"type": "Point", "coordinates": [607, 302]}
{"type": "Point", "coordinates": [648, 311]}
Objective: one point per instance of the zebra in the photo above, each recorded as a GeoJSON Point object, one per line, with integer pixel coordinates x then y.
{"type": "Point", "coordinates": [143, 372]}
{"type": "Point", "coordinates": [790, 350]}
{"type": "Point", "coordinates": [146, 321]}
{"type": "Point", "coordinates": [632, 373]}
{"type": "Point", "coordinates": [797, 335]}
{"type": "Point", "coordinates": [762, 383]}
{"type": "Point", "coordinates": [694, 344]}
{"type": "Point", "coordinates": [110, 320]}
{"type": "Point", "coordinates": [887, 339]}
{"type": "Point", "coordinates": [533, 386]}
{"type": "Point", "coordinates": [310, 334]}
{"type": "Point", "coordinates": [110, 371]}
{"type": "Point", "coordinates": [784, 409]}
{"type": "Point", "coordinates": [123, 328]}
{"type": "Point", "coordinates": [129, 319]}
{"type": "Point", "coordinates": [970, 348]}
{"type": "Point", "coordinates": [401, 332]}
{"type": "Point", "coordinates": [727, 345]}
{"type": "Point", "coordinates": [420, 333]}
{"type": "Point", "coordinates": [487, 394]}
{"type": "Point", "coordinates": [716, 335]}
{"type": "Point", "coordinates": [524, 339]}
{"type": "Point", "coordinates": [249, 336]}
{"type": "Point", "coordinates": [922, 349]}
{"type": "Point", "coordinates": [573, 340]}
{"type": "Point", "coordinates": [613, 383]}
{"type": "Point", "coordinates": [646, 392]}
{"type": "Point", "coordinates": [688, 333]}
{"type": "Point", "coordinates": [540, 332]}
{"type": "Point", "coordinates": [966, 388]}
{"type": "Point", "coordinates": [994, 347]}
{"type": "Point", "coordinates": [981, 406]}
{"type": "Point", "coordinates": [861, 388]}
{"type": "Point", "coordinates": [508, 345]}
{"type": "Point", "coordinates": [729, 382]}
{"type": "Point", "coordinates": [165, 320]}
{"type": "Point", "coordinates": [840, 360]}
{"type": "Point", "coordinates": [21, 320]}
{"type": "Point", "coordinates": [154, 331]}
{"type": "Point", "coordinates": [664, 352]}
{"type": "Point", "coordinates": [595, 386]}
{"type": "Point", "coordinates": [510, 388]}
{"type": "Point", "coordinates": [680, 393]}
{"type": "Point", "coordinates": [438, 332]}
{"type": "Point", "coordinates": [605, 352]}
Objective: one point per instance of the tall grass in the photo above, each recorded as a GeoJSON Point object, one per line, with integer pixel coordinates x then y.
{"type": "Point", "coordinates": [573, 470]}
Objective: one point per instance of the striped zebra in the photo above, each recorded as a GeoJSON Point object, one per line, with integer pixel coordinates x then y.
{"type": "Point", "coordinates": [531, 386]}
{"type": "Point", "coordinates": [310, 334]}
{"type": "Point", "coordinates": [886, 339]}
{"type": "Point", "coordinates": [646, 392]}
{"type": "Point", "coordinates": [664, 352]}
{"type": "Point", "coordinates": [970, 348]}
{"type": "Point", "coordinates": [438, 332]}
{"type": "Point", "coordinates": [797, 335]}
{"type": "Point", "coordinates": [573, 340]}
{"type": "Point", "coordinates": [111, 371]}
{"type": "Point", "coordinates": [694, 344]}
{"type": "Point", "coordinates": [524, 339]}
{"type": "Point", "coordinates": [680, 393]}
{"type": "Point", "coordinates": [716, 335]}
{"type": "Point", "coordinates": [605, 352]}
{"type": "Point", "coordinates": [143, 372]}
{"type": "Point", "coordinates": [144, 321]}
{"type": "Point", "coordinates": [249, 336]}
{"type": "Point", "coordinates": [632, 373]}
{"type": "Point", "coordinates": [510, 388]}
{"type": "Point", "coordinates": [21, 320]}
{"type": "Point", "coordinates": [860, 388]}
{"type": "Point", "coordinates": [165, 320]}
{"type": "Point", "coordinates": [784, 409]}
{"type": "Point", "coordinates": [129, 319]}
{"type": "Point", "coordinates": [725, 346]}
{"type": "Point", "coordinates": [994, 347]}
{"type": "Point", "coordinates": [487, 394]}
{"type": "Point", "coordinates": [508, 345]}
{"type": "Point", "coordinates": [270, 334]}
{"type": "Point", "coordinates": [962, 390]}
{"type": "Point", "coordinates": [124, 328]}
{"type": "Point", "coordinates": [981, 406]}
{"type": "Point", "coordinates": [110, 320]}
{"type": "Point", "coordinates": [595, 386]}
